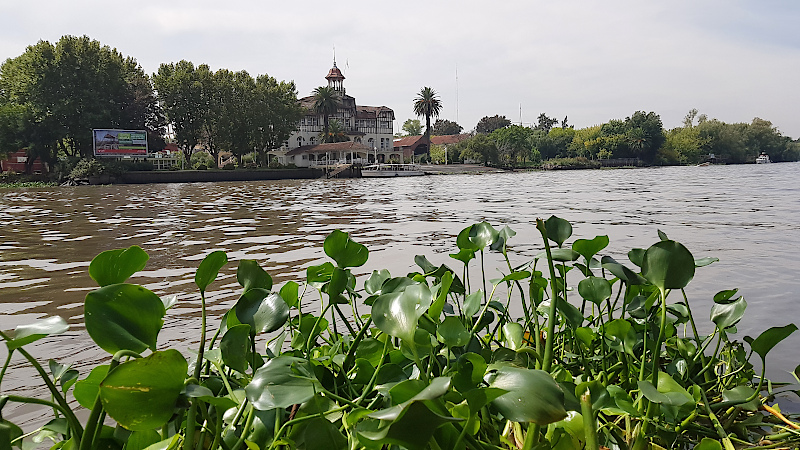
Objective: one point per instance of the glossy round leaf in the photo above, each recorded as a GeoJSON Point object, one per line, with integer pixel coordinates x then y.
{"type": "Point", "coordinates": [482, 235]}
{"type": "Point", "coordinates": [347, 253]}
{"type": "Point", "coordinates": [464, 242]}
{"type": "Point", "coordinates": [250, 275]}
{"type": "Point", "coordinates": [588, 248]}
{"type": "Point", "coordinates": [767, 340]}
{"type": "Point", "coordinates": [321, 434]}
{"type": "Point", "coordinates": [123, 317]}
{"type": "Point", "coordinates": [209, 269]}
{"type": "Point", "coordinates": [558, 229]}
{"type": "Point", "coordinates": [86, 390]}
{"type": "Point", "coordinates": [235, 346]}
{"type": "Point", "coordinates": [290, 293]}
{"type": "Point", "coordinates": [141, 394]}
{"type": "Point", "coordinates": [533, 395]}
{"type": "Point", "coordinates": [116, 266]}
{"type": "Point", "coordinates": [594, 289]}
{"type": "Point", "coordinates": [668, 265]}
{"type": "Point", "coordinates": [280, 383]}
{"type": "Point", "coordinates": [471, 368]}
{"type": "Point", "coordinates": [472, 303]}
{"type": "Point", "coordinates": [513, 335]}
{"type": "Point", "coordinates": [25, 334]}
{"type": "Point", "coordinates": [397, 314]}
{"type": "Point", "coordinates": [728, 314]}
{"type": "Point", "coordinates": [264, 311]}
{"type": "Point", "coordinates": [452, 332]}
{"type": "Point", "coordinates": [375, 282]}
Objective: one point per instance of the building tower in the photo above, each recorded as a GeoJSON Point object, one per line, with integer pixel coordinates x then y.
{"type": "Point", "coordinates": [336, 79]}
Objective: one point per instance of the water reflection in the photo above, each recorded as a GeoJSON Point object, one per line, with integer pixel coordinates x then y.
{"type": "Point", "coordinates": [748, 216]}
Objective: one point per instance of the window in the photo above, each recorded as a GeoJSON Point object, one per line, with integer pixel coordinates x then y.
{"type": "Point", "coordinates": [299, 141]}
{"type": "Point", "coordinates": [313, 140]}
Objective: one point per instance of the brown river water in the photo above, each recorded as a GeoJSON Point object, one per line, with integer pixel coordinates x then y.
{"type": "Point", "coordinates": [748, 216]}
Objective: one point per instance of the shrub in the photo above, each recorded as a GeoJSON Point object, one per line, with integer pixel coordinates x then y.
{"type": "Point", "coordinates": [229, 166]}
{"type": "Point", "coordinates": [87, 167]}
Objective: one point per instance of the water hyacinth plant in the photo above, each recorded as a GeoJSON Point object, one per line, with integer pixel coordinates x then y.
{"type": "Point", "coordinates": [611, 358]}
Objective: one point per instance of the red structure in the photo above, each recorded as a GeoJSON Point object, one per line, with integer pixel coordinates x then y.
{"type": "Point", "coordinates": [17, 162]}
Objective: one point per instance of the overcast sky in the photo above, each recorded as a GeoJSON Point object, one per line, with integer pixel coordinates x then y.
{"type": "Point", "coordinates": [589, 60]}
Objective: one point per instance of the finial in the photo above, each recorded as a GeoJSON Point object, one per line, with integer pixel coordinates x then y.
{"type": "Point", "coordinates": [334, 56]}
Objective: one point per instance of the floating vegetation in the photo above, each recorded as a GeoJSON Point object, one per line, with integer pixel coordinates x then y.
{"type": "Point", "coordinates": [438, 362]}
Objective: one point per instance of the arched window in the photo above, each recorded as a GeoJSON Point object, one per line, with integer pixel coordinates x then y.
{"type": "Point", "coordinates": [313, 140]}
{"type": "Point", "coordinates": [370, 143]}
{"type": "Point", "coordinates": [358, 139]}
{"type": "Point", "coordinates": [299, 141]}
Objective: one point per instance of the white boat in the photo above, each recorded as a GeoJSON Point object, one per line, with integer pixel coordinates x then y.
{"type": "Point", "coordinates": [763, 158]}
{"type": "Point", "coordinates": [391, 170]}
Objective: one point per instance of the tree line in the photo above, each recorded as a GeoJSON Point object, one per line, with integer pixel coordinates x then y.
{"type": "Point", "coordinates": [53, 95]}
{"type": "Point", "coordinates": [496, 140]}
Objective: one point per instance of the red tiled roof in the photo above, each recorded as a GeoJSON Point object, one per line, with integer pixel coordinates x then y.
{"type": "Point", "coordinates": [335, 73]}
{"type": "Point", "coordinates": [408, 141]}
{"type": "Point", "coordinates": [329, 147]}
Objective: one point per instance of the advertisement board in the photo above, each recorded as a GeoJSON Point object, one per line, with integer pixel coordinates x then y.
{"type": "Point", "coordinates": [120, 142]}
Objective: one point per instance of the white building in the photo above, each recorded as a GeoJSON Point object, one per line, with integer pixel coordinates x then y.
{"type": "Point", "coordinates": [370, 128]}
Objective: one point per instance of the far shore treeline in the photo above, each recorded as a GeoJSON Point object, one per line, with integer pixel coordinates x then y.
{"type": "Point", "coordinates": [52, 95]}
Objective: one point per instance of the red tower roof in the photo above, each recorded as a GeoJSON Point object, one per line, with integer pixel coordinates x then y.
{"type": "Point", "coordinates": [334, 73]}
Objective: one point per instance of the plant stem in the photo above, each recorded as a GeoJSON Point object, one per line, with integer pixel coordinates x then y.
{"type": "Point", "coordinates": [547, 362]}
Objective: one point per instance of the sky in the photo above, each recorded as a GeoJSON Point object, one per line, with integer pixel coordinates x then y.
{"type": "Point", "coordinates": [590, 61]}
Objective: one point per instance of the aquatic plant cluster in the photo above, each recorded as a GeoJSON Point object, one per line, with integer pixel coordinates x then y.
{"type": "Point", "coordinates": [437, 362]}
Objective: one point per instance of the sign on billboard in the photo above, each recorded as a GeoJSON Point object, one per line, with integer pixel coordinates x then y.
{"type": "Point", "coordinates": [120, 142]}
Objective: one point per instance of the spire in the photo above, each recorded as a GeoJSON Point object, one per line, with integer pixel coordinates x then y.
{"type": "Point", "coordinates": [335, 77]}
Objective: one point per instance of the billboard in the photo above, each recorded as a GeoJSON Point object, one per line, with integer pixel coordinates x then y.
{"type": "Point", "coordinates": [119, 142]}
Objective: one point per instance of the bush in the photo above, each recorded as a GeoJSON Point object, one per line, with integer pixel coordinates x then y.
{"type": "Point", "coordinates": [229, 166]}
{"type": "Point", "coordinates": [87, 167]}
{"type": "Point", "coordinates": [571, 163]}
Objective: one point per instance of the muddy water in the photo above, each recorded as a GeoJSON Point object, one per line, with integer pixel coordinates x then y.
{"type": "Point", "coordinates": [747, 216]}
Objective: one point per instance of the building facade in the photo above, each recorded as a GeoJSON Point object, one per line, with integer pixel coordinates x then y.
{"type": "Point", "coordinates": [371, 127]}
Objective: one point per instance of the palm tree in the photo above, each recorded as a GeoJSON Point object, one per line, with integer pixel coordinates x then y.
{"type": "Point", "coordinates": [427, 104]}
{"type": "Point", "coordinates": [326, 102]}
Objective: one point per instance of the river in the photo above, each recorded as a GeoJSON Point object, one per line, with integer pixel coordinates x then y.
{"type": "Point", "coordinates": [748, 216]}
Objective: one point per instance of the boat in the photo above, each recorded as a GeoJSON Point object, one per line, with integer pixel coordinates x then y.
{"type": "Point", "coordinates": [391, 170]}
{"type": "Point", "coordinates": [763, 158]}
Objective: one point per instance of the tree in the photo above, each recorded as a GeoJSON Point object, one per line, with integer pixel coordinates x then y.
{"type": "Point", "coordinates": [545, 123]}
{"type": "Point", "coordinates": [488, 124]}
{"type": "Point", "coordinates": [326, 102]}
{"type": "Point", "coordinates": [183, 92]}
{"type": "Point", "coordinates": [444, 127]}
{"type": "Point", "coordinates": [412, 127]}
{"type": "Point", "coordinates": [275, 114]}
{"type": "Point", "coordinates": [60, 92]}
{"type": "Point", "coordinates": [336, 132]}
{"type": "Point", "coordinates": [480, 148]}
{"type": "Point", "coordinates": [513, 143]}
{"type": "Point", "coordinates": [427, 104]}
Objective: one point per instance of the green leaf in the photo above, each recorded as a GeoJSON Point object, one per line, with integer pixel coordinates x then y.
{"type": "Point", "coordinates": [250, 275]}
{"type": "Point", "coordinates": [464, 255]}
{"type": "Point", "coordinates": [141, 394]}
{"type": "Point", "coordinates": [209, 269]}
{"type": "Point", "coordinates": [280, 383]}
{"type": "Point", "coordinates": [344, 251]}
{"type": "Point", "coordinates": [140, 440]}
{"type": "Point", "coordinates": [589, 248]}
{"type": "Point", "coordinates": [668, 265]}
{"type": "Point", "coordinates": [470, 369]}
{"type": "Point", "coordinates": [729, 314]}
{"type": "Point", "coordinates": [437, 388]}
{"type": "Point", "coordinates": [478, 398]}
{"type": "Point", "coordinates": [465, 243]}
{"type": "Point", "coordinates": [25, 334]}
{"type": "Point", "coordinates": [708, 444]}
{"type": "Point", "coordinates": [533, 395]}
{"type": "Point", "coordinates": [412, 428]}
{"type": "Point", "coordinates": [375, 282]}
{"type": "Point", "coordinates": [86, 390]}
{"type": "Point", "coordinates": [558, 229]}
{"type": "Point", "coordinates": [452, 333]}
{"type": "Point", "coordinates": [725, 296]}
{"type": "Point", "coordinates": [116, 266]}
{"type": "Point", "coordinates": [740, 394]}
{"type": "Point", "coordinates": [9, 432]}
{"type": "Point", "coordinates": [290, 293]}
{"type": "Point", "coordinates": [397, 314]}
{"type": "Point", "coordinates": [594, 289]}
{"type": "Point", "coordinates": [702, 262]}
{"type": "Point", "coordinates": [769, 339]}
{"type": "Point", "coordinates": [123, 316]}
{"type": "Point", "coordinates": [512, 334]}
{"type": "Point", "coordinates": [437, 306]}
{"type": "Point", "coordinates": [320, 434]}
{"type": "Point", "coordinates": [623, 273]}
{"type": "Point", "coordinates": [472, 303]}
{"type": "Point", "coordinates": [514, 276]}
{"type": "Point", "coordinates": [500, 244]}
{"type": "Point", "coordinates": [235, 347]}
{"type": "Point", "coordinates": [561, 255]}
{"type": "Point", "coordinates": [482, 235]}
{"type": "Point", "coordinates": [63, 374]}
{"type": "Point", "coordinates": [264, 311]}
{"type": "Point", "coordinates": [319, 274]}
{"type": "Point", "coordinates": [636, 256]}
